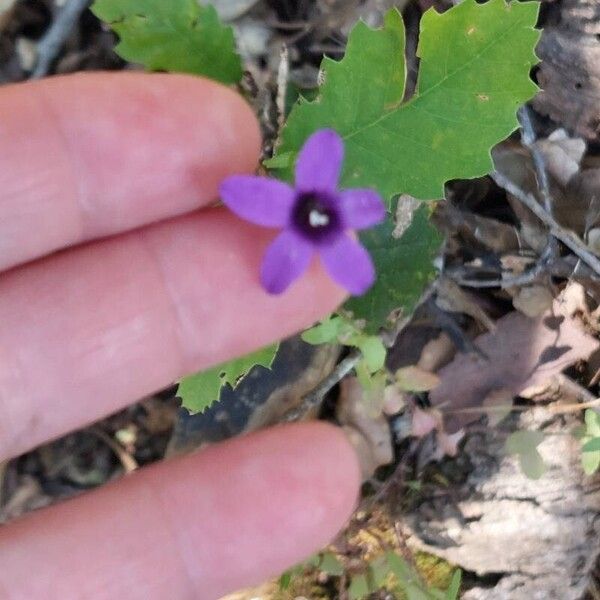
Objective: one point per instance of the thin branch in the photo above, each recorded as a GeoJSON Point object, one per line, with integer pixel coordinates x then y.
{"type": "Point", "coordinates": [568, 238]}
{"type": "Point", "coordinates": [574, 408]}
{"type": "Point", "coordinates": [314, 398]}
{"type": "Point", "coordinates": [54, 39]}
{"type": "Point", "coordinates": [127, 461]}
{"type": "Point", "coordinates": [525, 278]}
{"type": "Point", "coordinates": [283, 74]}
{"type": "Point", "coordinates": [528, 137]}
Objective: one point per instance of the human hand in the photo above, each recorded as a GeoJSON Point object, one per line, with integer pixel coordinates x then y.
{"type": "Point", "coordinates": [111, 289]}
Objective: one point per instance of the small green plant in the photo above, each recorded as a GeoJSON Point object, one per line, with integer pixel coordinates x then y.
{"type": "Point", "coordinates": [590, 442]}
{"type": "Point", "coordinates": [474, 73]}
{"type": "Point", "coordinates": [388, 571]}
{"type": "Point", "coordinates": [180, 36]}
{"type": "Point", "coordinates": [524, 444]}
{"type": "Point", "coordinates": [468, 93]}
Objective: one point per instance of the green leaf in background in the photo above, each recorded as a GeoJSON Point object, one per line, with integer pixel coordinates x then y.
{"type": "Point", "coordinates": [325, 332]}
{"type": "Point", "coordinates": [414, 379]}
{"type": "Point", "coordinates": [454, 587]}
{"type": "Point", "coordinates": [532, 464]}
{"type": "Point", "coordinates": [474, 74]}
{"type": "Point", "coordinates": [379, 571]}
{"type": "Point", "coordinates": [524, 444]}
{"type": "Point", "coordinates": [173, 35]}
{"type": "Point", "coordinates": [373, 352]}
{"type": "Point", "coordinates": [590, 442]}
{"type": "Point", "coordinates": [592, 423]}
{"type": "Point", "coordinates": [331, 565]}
{"type": "Point", "coordinates": [199, 391]}
{"type": "Point", "coordinates": [592, 445]}
{"type": "Point", "coordinates": [359, 587]}
{"type": "Point", "coordinates": [590, 461]}
{"type": "Point", "coordinates": [401, 569]}
{"type": "Point", "coordinates": [404, 268]}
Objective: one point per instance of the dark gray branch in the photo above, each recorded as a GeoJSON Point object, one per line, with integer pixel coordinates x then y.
{"type": "Point", "coordinates": [54, 39]}
{"type": "Point", "coordinates": [314, 398]}
{"type": "Point", "coordinates": [568, 238]}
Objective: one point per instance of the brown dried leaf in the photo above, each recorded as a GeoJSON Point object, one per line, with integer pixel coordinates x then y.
{"type": "Point", "coordinates": [499, 405]}
{"type": "Point", "coordinates": [570, 79]}
{"type": "Point", "coordinates": [425, 421]}
{"type": "Point", "coordinates": [573, 300]}
{"type": "Point", "coordinates": [593, 240]}
{"type": "Point", "coordinates": [370, 435]}
{"type": "Point", "coordinates": [448, 443]}
{"type": "Point", "coordinates": [522, 352]}
{"type": "Point", "coordinates": [533, 300]}
{"type": "Point", "coordinates": [562, 155]}
{"type": "Point", "coordinates": [436, 353]}
{"type": "Point", "coordinates": [514, 162]}
{"type": "Point", "coordinates": [585, 188]}
{"type": "Point", "coordinates": [452, 298]}
{"type": "Point", "coordinates": [393, 400]}
{"type": "Point", "coordinates": [415, 379]}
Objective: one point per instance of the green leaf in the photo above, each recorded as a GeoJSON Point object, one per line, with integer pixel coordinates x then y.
{"type": "Point", "coordinates": [590, 461]}
{"type": "Point", "coordinates": [285, 580]}
{"type": "Point", "coordinates": [532, 464]}
{"type": "Point", "coordinates": [173, 35]}
{"type": "Point", "coordinates": [313, 561]}
{"type": "Point", "coordinates": [404, 268]}
{"type": "Point", "coordinates": [359, 587]}
{"type": "Point", "coordinates": [414, 592]}
{"type": "Point", "coordinates": [592, 422]}
{"type": "Point", "coordinates": [592, 445]}
{"type": "Point", "coordinates": [524, 444]}
{"type": "Point", "coordinates": [400, 568]}
{"type": "Point", "coordinates": [379, 571]}
{"type": "Point", "coordinates": [415, 379]}
{"type": "Point", "coordinates": [199, 391]}
{"type": "Point", "coordinates": [474, 74]}
{"type": "Point", "coordinates": [325, 332]}
{"type": "Point", "coordinates": [454, 587]}
{"type": "Point", "coordinates": [331, 565]}
{"type": "Point", "coordinates": [283, 161]}
{"type": "Point", "coordinates": [373, 352]}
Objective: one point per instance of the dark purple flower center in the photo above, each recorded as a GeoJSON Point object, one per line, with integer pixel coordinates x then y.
{"type": "Point", "coordinates": [315, 215]}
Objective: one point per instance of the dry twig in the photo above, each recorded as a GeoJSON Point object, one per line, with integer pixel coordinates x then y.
{"type": "Point", "coordinates": [528, 137]}
{"type": "Point", "coordinates": [127, 461]}
{"type": "Point", "coordinates": [51, 44]}
{"type": "Point", "coordinates": [568, 238]}
{"type": "Point", "coordinates": [315, 397]}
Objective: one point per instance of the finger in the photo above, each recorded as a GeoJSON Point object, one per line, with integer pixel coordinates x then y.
{"type": "Point", "coordinates": [198, 527]}
{"type": "Point", "coordinates": [91, 155]}
{"type": "Point", "coordinates": [87, 331]}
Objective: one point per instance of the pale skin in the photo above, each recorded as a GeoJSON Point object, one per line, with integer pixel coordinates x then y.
{"type": "Point", "coordinates": [117, 280]}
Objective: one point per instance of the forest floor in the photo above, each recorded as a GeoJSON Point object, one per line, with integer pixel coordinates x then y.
{"type": "Point", "coordinates": [509, 332]}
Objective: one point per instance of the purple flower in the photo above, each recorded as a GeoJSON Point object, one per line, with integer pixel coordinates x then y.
{"type": "Point", "coordinates": [315, 217]}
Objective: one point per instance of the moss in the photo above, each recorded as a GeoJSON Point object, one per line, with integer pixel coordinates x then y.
{"type": "Point", "coordinates": [435, 571]}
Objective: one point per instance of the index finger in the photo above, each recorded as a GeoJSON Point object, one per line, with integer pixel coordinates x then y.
{"type": "Point", "coordinates": [92, 155]}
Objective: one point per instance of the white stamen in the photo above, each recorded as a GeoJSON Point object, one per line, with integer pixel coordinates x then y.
{"type": "Point", "coordinates": [318, 219]}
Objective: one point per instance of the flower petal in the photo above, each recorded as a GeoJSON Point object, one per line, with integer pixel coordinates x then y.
{"type": "Point", "coordinates": [263, 201]}
{"type": "Point", "coordinates": [286, 259]}
{"type": "Point", "coordinates": [361, 208]}
{"type": "Point", "coordinates": [349, 265]}
{"type": "Point", "coordinates": [320, 162]}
